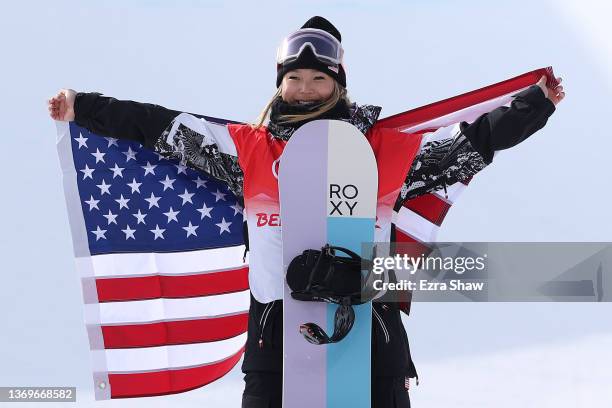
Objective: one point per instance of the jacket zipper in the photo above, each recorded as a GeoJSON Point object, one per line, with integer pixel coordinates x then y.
{"type": "Point", "coordinates": [382, 324]}
{"type": "Point", "coordinates": [263, 320]}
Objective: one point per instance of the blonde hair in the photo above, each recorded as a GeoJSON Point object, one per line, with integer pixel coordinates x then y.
{"type": "Point", "coordinates": [339, 93]}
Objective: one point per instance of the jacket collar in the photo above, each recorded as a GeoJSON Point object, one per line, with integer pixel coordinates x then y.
{"type": "Point", "coordinates": [363, 117]}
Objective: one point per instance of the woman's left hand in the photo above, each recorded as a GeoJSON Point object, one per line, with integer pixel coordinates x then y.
{"type": "Point", "coordinates": [555, 94]}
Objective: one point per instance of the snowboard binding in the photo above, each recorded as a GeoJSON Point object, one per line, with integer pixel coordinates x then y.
{"type": "Point", "coordinates": [323, 276]}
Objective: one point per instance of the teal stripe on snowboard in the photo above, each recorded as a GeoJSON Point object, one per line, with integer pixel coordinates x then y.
{"type": "Point", "coordinates": [348, 362]}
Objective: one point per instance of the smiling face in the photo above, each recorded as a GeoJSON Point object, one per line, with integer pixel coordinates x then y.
{"type": "Point", "coordinates": [306, 86]}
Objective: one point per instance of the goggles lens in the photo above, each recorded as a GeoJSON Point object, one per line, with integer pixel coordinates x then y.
{"type": "Point", "coordinates": [324, 46]}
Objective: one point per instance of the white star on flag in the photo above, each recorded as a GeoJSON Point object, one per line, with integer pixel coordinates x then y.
{"type": "Point", "coordinates": [200, 183]}
{"type": "Point", "coordinates": [99, 233]}
{"type": "Point", "coordinates": [99, 156]}
{"type": "Point", "coordinates": [186, 196]}
{"type": "Point", "coordinates": [159, 232]}
{"type": "Point", "coordinates": [223, 226]}
{"type": "Point", "coordinates": [171, 215]}
{"type": "Point", "coordinates": [205, 211]}
{"type": "Point", "coordinates": [123, 202]}
{"type": "Point", "coordinates": [191, 229]}
{"type": "Point", "coordinates": [130, 155]}
{"type": "Point", "coordinates": [87, 172]}
{"type": "Point", "coordinates": [117, 171]}
{"type": "Point", "coordinates": [111, 141]}
{"type": "Point", "coordinates": [104, 188]}
{"type": "Point", "coordinates": [140, 217]}
{"type": "Point", "coordinates": [180, 169]}
{"type": "Point", "coordinates": [134, 186]}
{"type": "Point", "coordinates": [110, 217]}
{"type": "Point", "coordinates": [149, 168]}
{"type": "Point", "coordinates": [81, 140]}
{"type": "Point", "coordinates": [153, 201]}
{"type": "Point", "coordinates": [168, 183]}
{"type": "Point", "coordinates": [129, 233]}
{"type": "Point", "coordinates": [237, 208]}
{"type": "Point", "coordinates": [219, 195]}
{"type": "Point", "coordinates": [93, 203]}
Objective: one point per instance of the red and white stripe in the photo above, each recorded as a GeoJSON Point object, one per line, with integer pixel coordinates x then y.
{"type": "Point", "coordinates": [162, 323]}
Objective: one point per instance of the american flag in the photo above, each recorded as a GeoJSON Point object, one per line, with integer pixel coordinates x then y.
{"type": "Point", "coordinates": [159, 248]}
{"type": "Point", "coordinates": [160, 252]}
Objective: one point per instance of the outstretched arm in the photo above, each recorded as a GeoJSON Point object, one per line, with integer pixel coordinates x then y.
{"type": "Point", "coordinates": [142, 122]}
{"type": "Point", "coordinates": [205, 146]}
{"type": "Point", "coordinates": [458, 152]}
{"type": "Point", "coordinates": [506, 127]}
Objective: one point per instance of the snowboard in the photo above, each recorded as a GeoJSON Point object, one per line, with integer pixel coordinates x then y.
{"type": "Point", "coordinates": [328, 183]}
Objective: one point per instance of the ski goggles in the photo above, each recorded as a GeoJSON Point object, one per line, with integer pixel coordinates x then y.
{"type": "Point", "coordinates": [325, 46]}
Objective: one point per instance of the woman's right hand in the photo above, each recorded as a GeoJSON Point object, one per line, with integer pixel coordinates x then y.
{"type": "Point", "coordinates": [61, 106]}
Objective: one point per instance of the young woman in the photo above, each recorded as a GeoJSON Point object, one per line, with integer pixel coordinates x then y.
{"type": "Point", "coordinates": [311, 84]}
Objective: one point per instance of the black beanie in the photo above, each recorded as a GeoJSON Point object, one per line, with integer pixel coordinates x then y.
{"type": "Point", "coordinates": [307, 59]}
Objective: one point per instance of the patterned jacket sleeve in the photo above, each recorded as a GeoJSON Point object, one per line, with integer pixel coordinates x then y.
{"type": "Point", "coordinates": [456, 153]}
{"type": "Point", "coordinates": [200, 144]}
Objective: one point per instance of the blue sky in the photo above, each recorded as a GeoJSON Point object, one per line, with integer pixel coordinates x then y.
{"type": "Point", "coordinates": [218, 59]}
